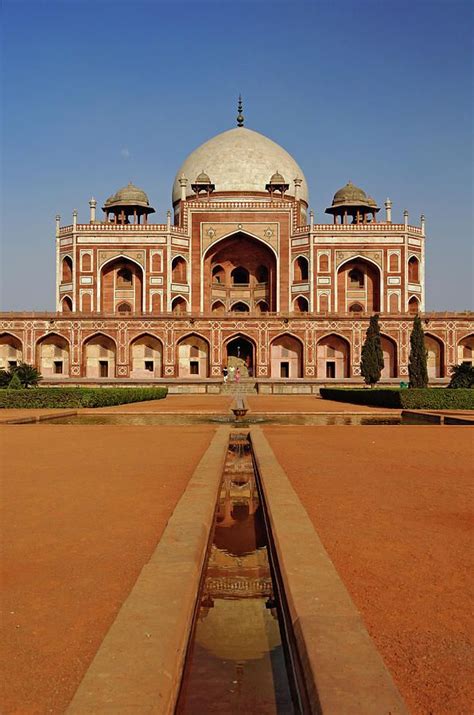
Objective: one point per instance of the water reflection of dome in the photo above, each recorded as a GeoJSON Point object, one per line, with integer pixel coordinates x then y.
{"type": "Point", "coordinates": [221, 632]}
{"type": "Point", "coordinates": [241, 537]}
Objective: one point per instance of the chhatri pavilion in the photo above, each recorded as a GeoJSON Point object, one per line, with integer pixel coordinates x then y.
{"type": "Point", "coordinates": [240, 273]}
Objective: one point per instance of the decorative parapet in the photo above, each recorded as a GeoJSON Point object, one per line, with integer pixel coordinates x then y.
{"type": "Point", "coordinates": [358, 228]}
{"type": "Point", "coordinates": [119, 228]}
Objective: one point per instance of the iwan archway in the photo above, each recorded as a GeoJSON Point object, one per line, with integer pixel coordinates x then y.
{"type": "Point", "coordinates": [239, 269]}
{"type": "Point", "coordinates": [240, 353]}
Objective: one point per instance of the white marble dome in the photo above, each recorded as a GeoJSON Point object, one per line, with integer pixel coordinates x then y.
{"type": "Point", "coordinates": [240, 160]}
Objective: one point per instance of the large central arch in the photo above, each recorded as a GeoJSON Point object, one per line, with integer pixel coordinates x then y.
{"type": "Point", "coordinates": [240, 353]}
{"type": "Point", "coordinates": [239, 268]}
{"type": "Point", "coordinates": [359, 283]}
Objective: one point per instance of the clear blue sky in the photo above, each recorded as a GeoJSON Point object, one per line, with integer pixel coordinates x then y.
{"type": "Point", "coordinates": [99, 93]}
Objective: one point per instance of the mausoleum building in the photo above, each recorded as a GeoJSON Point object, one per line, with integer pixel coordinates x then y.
{"type": "Point", "coordinates": [240, 273]}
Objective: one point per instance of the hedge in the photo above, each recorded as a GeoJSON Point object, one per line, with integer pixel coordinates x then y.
{"type": "Point", "coordinates": [425, 398]}
{"type": "Point", "coordinates": [78, 396]}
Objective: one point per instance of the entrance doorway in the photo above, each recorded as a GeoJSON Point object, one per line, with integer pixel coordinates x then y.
{"type": "Point", "coordinates": [284, 369]}
{"type": "Point", "coordinates": [240, 353]}
{"type": "Point", "coordinates": [330, 368]}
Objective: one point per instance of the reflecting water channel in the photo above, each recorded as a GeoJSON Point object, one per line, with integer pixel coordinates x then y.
{"type": "Point", "coordinates": [190, 419]}
{"type": "Point", "coordinates": [236, 661]}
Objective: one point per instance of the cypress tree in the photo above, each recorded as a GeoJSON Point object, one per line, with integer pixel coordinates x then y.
{"type": "Point", "coordinates": [372, 362]}
{"type": "Point", "coordinates": [417, 368]}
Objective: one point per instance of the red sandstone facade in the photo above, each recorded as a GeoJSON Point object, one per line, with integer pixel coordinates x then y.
{"type": "Point", "coordinates": [239, 278]}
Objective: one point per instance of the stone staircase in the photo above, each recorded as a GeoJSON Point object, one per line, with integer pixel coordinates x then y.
{"type": "Point", "coordinates": [245, 386]}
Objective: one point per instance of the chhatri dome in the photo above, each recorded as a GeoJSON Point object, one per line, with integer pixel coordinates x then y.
{"type": "Point", "coordinates": [240, 160]}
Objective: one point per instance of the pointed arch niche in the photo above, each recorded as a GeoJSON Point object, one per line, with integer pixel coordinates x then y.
{"type": "Point", "coordinates": [286, 357]}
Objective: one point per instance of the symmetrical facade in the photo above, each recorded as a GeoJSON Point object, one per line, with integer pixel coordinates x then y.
{"type": "Point", "coordinates": [240, 274]}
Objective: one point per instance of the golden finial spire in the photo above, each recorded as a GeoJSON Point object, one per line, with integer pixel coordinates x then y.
{"type": "Point", "coordinates": [240, 116]}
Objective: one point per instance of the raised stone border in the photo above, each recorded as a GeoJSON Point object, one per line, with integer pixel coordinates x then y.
{"type": "Point", "coordinates": [138, 667]}
{"type": "Point", "coordinates": [343, 671]}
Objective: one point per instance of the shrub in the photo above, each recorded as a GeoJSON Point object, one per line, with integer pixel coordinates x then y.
{"type": "Point", "coordinates": [15, 382]}
{"type": "Point", "coordinates": [75, 397]}
{"type": "Point", "coordinates": [372, 362]}
{"type": "Point", "coordinates": [427, 398]}
{"type": "Point", "coordinates": [5, 378]}
{"type": "Point", "coordinates": [462, 376]}
{"type": "Point", "coordinates": [27, 374]}
{"type": "Point", "coordinates": [417, 361]}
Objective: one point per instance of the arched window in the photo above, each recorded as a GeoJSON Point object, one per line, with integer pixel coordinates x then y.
{"type": "Point", "coordinates": [413, 270]}
{"type": "Point", "coordinates": [262, 306]}
{"type": "Point", "coordinates": [301, 269]}
{"type": "Point", "coordinates": [356, 278]}
{"type": "Point", "coordinates": [124, 278]}
{"type": "Point", "coordinates": [413, 306]}
{"type": "Point", "coordinates": [218, 274]}
{"type": "Point", "coordinates": [124, 308]}
{"type": "Point", "coordinates": [218, 307]}
{"type": "Point", "coordinates": [66, 270]}
{"type": "Point", "coordinates": [240, 307]}
{"type": "Point", "coordinates": [356, 308]}
{"type": "Point", "coordinates": [240, 276]}
{"type": "Point", "coordinates": [66, 305]}
{"type": "Point", "coordinates": [301, 305]}
{"type": "Point", "coordinates": [156, 263]}
{"type": "Point", "coordinates": [393, 263]}
{"type": "Point", "coordinates": [324, 263]}
{"type": "Point", "coordinates": [86, 262]}
{"type": "Point", "coordinates": [179, 305]}
{"type": "Point", "coordinates": [178, 270]}
{"type": "Point", "coordinates": [262, 274]}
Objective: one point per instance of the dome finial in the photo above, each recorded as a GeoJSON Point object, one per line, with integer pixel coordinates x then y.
{"type": "Point", "coordinates": [240, 116]}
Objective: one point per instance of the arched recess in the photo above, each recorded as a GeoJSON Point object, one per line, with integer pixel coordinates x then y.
{"type": "Point", "coordinates": [413, 305]}
{"type": "Point", "coordinates": [239, 307]}
{"type": "Point", "coordinates": [218, 274]}
{"type": "Point", "coordinates": [179, 270]}
{"type": "Point", "coordinates": [356, 308]}
{"type": "Point", "coordinates": [66, 270]}
{"type": "Point", "coordinates": [394, 303]}
{"type": "Point", "coordinates": [52, 356]}
{"type": "Point", "coordinates": [247, 269]}
{"type": "Point", "coordinates": [466, 350]}
{"type": "Point", "coordinates": [324, 303]}
{"type": "Point", "coordinates": [240, 276]}
{"type": "Point", "coordinates": [240, 351]}
{"type": "Point", "coordinates": [359, 280]}
{"type": "Point", "coordinates": [300, 269]}
{"type": "Point", "coordinates": [323, 263]}
{"type": "Point", "coordinates": [286, 357]}
{"type": "Point", "coordinates": [121, 280]}
{"type": "Point", "coordinates": [193, 356]}
{"type": "Point", "coordinates": [389, 350]}
{"type": "Point", "coordinates": [218, 308]}
{"type": "Point", "coordinates": [333, 357]}
{"type": "Point", "coordinates": [262, 306]}
{"type": "Point", "coordinates": [261, 274]}
{"type": "Point", "coordinates": [179, 305]}
{"type": "Point", "coordinates": [413, 270]}
{"type": "Point", "coordinates": [124, 307]}
{"type": "Point", "coordinates": [434, 356]}
{"type": "Point", "coordinates": [11, 351]}
{"type": "Point", "coordinates": [99, 356]}
{"type": "Point", "coordinates": [86, 262]}
{"type": "Point", "coordinates": [146, 357]}
{"type": "Point", "coordinates": [66, 305]}
{"type": "Point", "coordinates": [300, 304]}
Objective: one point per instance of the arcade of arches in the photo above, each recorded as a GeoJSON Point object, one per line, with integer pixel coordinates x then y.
{"type": "Point", "coordinates": [240, 276]}
{"type": "Point", "coordinates": [285, 354]}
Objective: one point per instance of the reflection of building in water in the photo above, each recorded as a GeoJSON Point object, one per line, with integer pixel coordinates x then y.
{"type": "Point", "coordinates": [241, 274]}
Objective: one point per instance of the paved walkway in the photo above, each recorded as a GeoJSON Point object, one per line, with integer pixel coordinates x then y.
{"type": "Point", "coordinates": [83, 508]}
{"type": "Point", "coordinates": [393, 506]}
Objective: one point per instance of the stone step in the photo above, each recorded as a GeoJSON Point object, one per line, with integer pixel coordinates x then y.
{"type": "Point", "coordinates": [243, 387]}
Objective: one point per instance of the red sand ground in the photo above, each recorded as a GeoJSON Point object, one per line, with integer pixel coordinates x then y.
{"type": "Point", "coordinates": [83, 509]}
{"type": "Point", "coordinates": [393, 507]}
